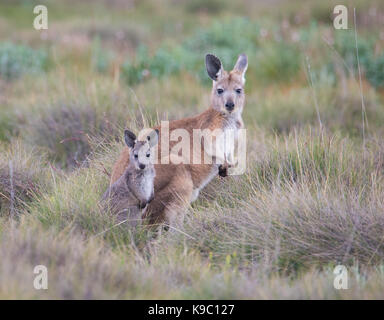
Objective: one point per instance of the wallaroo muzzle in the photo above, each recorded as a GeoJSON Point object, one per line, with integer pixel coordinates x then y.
{"type": "Point", "coordinates": [229, 105]}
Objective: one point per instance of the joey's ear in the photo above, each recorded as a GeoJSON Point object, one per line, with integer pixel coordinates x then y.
{"type": "Point", "coordinates": [213, 66]}
{"type": "Point", "coordinates": [129, 138]}
{"type": "Point", "coordinates": [241, 65]}
{"type": "Point", "coordinates": [153, 137]}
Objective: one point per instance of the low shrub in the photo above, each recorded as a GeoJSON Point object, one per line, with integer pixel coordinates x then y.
{"type": "Point", "coordinates": [374, 71]}
{"type": "Point", "coordinates": [17, 60]}
{"type": "Point", "coordinates": [345, 44]}
{"type": "Point", "coordinates": [278, 62]}
{"type": "Point", "coordinates": [164, 62]}
{"type": "Point", "coordinates": [65, 132]}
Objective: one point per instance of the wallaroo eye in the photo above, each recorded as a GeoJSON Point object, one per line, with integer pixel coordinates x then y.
{"type": "Point", "coordinates": [136, 155]}
{"type": "Point", "coordinates": [148, 155]}
{"type": "Point", "coordinates": [238, 91]}
{"type": "Point", "coordinates": [220, 91]}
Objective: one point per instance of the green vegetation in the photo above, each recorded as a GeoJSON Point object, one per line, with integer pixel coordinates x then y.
{"type": "Point", "coordinates": [374, 71]}
{"type": "Point", "coordinates": [17, 60]}
{"type": "Point", "coordinates": [312, 196]}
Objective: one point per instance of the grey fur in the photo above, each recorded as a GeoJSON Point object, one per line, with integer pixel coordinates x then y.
{"type": "Point", "coordinates": [134, 189]}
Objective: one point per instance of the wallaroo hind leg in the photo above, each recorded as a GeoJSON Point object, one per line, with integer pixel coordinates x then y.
{"type": "Point", "coordinates": [169, 204]}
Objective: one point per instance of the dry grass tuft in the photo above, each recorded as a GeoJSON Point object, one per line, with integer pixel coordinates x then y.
{"type": "Point", "coordinates": [21, 178]}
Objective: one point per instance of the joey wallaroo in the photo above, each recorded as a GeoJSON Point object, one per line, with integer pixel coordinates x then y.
{"type": "Point", "coordinates": [178, 183]}
{"type": "Point", "coordinates": [135, 188]}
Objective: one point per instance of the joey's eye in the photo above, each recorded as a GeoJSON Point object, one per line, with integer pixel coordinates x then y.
{"type": "Point", "coordinates": [148, 155]}
{"type": "Point", "coordinates": [136, 156]}
{"type": "Point", "coordinates": [238, 91]}
{"type": "Point", "coordinates": [220, 91]}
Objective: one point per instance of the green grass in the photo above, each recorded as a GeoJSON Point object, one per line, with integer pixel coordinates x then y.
{"type": "Point", "coordinates": [311, 197]}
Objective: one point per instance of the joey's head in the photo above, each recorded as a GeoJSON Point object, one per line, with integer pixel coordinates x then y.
{"type": "Point", "coordinates": [227, 95]}
{"type": "Point", "coordinates": [141, 152]}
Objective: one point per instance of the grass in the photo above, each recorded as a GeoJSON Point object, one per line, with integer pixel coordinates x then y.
{"type": "Point", "coordinates": [21, 178]}
{"type": "Point", "coordinates": [311, 198]}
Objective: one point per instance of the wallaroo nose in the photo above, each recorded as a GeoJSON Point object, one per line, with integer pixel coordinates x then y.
{"type": "Point", "coordinates": [142, 166]}
{"type": "Point", "coordinates": [229, 105]}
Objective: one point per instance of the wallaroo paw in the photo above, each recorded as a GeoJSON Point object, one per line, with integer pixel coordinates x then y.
{"type": "Point", "coordinates": [142, 204]}
{"type": "Point", "coordinates": [223, 171]}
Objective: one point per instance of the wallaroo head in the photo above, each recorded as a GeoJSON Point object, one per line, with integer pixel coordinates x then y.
{"type": "Point", "coordinates": [228, 87]}
{"type": "Point", "coordinates": [141, 151]}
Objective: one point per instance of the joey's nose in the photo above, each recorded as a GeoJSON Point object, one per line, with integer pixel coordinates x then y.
{"type": "Point", "coordinates": [142, 166]}
{"type": "Point", "coordinates": [229, 105]}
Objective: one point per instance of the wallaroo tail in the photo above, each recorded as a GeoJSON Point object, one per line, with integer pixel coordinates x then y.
{"type": "Point", "coordinates": [135, 188]}
{"type": "Point", "coordinates": [177, 185]}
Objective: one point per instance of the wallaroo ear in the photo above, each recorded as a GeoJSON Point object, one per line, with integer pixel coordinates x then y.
{"type": "Point", "coordinates": [153, 137]}
{"type": "Point", "coordinates": [241, 64]}
{"type": "Point", "coordinates": [213, 66]}
{"type": "Point", "coordinates": [129, 138]}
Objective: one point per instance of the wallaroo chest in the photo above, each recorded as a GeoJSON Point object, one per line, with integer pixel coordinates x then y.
{"type": "Point", "coordinates": [143, 182]}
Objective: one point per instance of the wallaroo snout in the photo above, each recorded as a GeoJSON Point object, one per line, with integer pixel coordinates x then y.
{"type": "Point", "coordinates": [135, 188]}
